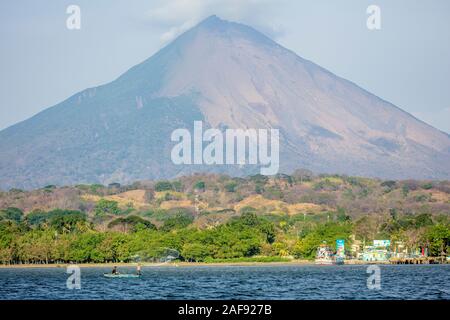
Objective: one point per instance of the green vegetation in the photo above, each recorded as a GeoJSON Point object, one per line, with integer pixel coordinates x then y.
{"type": "Point", "coordinates": [200, 185]}
{"type": "Point", "coordinates": [52, 243]}
{"type": "Point", "coordinates": [214, 219]}
{"type": "Point", "coordinates": [105, 207]}
{"type": "Point", "coordinates": [179, 221]}
{"type": "Point", "coordinates": [13, 214]}
{"type": "Point", "coordinates": [251, 259]}
{"type": "Point", "coordinates": [163, 186]}
{"type": "Point", "coordinates": [131, 223]}
{"type": "Point", "coordinates": [329, 233]}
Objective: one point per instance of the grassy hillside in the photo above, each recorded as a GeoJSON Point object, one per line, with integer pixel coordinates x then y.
{"type": "Point", "coordinates": [207, 217]}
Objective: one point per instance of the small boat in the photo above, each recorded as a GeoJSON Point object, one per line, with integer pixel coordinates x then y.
{"type": "Point", "coordinates": [121, 275]}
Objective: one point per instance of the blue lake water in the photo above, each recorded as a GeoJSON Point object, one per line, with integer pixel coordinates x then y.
{"type": "Point", "coordinates": [232, 282]}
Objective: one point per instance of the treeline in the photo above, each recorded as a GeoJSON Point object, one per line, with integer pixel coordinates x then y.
{"type": "Point", "coordinates": [67, 236]}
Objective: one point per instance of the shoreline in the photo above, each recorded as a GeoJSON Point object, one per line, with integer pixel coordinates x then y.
{"type": "Point", "coordinates": [154, 265]}
{"type": "Point", "coordinates": [178, 264]}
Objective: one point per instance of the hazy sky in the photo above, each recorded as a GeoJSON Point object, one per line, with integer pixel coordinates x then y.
{"type": "Point", "coordinates": [407, 62]}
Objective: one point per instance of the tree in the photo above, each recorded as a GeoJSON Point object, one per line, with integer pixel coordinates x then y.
{"type": "Point", "coordinates": [248, 217]}
{"type": "Point", "coordinates": [390, 184]}
{"type": "Point", "coordinates": [438, 238]}
{"type": "Point", "coordinates": [10, 213]}
{"type": "Point", "coordinates": [250, 221]}
{"type": "Point", "coordinates": [163, 186]}
{"type": "Point", "coordinates": [365, 228]}
{"type": "Point", "coordinates": [179, 221]}
{"type": "Point", "coordinates": [329, 233]}
{"type": "Point", "coordinates": [423, 220]}
{"type": "Point", "coordinates": [195, 252]}
{"type": "Point", "coordinates": [177, 186]}
{"type": "Point", "coordinates": [66, 220]}
{"type": "Point", "coordinates": [36, 246]}
{"type": "Point", "coordinates": [114, 185]}
{"type": "Point", "coordinates": [132, 223]}
{"type": "Point", "coordinates": [6, 255]}
{"type": "Point", "coordinates": [36, 218]}
{"type": "Point", "coordinates": [84, 247]}
{"type": "Point", "coordinates": [231, 186]}
{"type": "Point", "coordinates": [427, 186]}
{"type": "Point", "coordinates": [268, 229]}
{"type": "Point", "coordinates": [9, 232]}
{"type": "Point", "coordinates": [342, 215]}
{"type": "Point", "coordinates": [259, 179]}
{"type": "Point", "coordinates": [200, 186]}
{"type": "Point", "coordinates": [105, 207]}
{"type": "Point", "coordinates": [229, 241]}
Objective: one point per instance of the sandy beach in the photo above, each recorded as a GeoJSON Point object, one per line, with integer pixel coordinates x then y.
{"type": "Point", "coordinates": [172, 264]}
{"type": "Point", "coordinates": [175, 264]}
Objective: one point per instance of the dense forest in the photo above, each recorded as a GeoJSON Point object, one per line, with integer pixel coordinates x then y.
{"type": "Point", "coordinates": [207, 218]}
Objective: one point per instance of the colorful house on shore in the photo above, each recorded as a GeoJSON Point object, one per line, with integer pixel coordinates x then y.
{"type": "Point", "coordinates": [378, 252]}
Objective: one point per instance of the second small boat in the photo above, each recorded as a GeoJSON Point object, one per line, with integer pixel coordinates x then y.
{"type": "Point", "coordinates": [120, 275]}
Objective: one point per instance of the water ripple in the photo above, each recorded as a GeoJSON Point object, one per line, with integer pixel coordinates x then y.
{"type": "Point", "coordinates": [232, 282]}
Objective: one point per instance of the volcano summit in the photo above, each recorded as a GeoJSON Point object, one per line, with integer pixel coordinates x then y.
{"type": "Point", "coordinates": [226, 75]}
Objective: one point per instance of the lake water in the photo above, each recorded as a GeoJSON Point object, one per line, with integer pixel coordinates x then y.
{"type": "Point", "coordinates": [232, 282]}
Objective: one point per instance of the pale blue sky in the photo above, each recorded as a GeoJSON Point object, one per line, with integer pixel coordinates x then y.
{"type": "Point", "coordinates": [407, 62]}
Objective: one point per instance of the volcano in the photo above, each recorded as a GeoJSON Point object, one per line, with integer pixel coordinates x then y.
{"type": "Point", "coordinates": [227, 75]}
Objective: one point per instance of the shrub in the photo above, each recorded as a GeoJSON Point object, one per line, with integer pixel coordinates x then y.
{"type": "Point", "coordinates": [163, 186]}
{"type": "Point", "coordinates": [105, 207]}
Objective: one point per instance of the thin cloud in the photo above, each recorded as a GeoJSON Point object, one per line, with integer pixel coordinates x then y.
{"type": "Point", "coordinates": [177, 16]}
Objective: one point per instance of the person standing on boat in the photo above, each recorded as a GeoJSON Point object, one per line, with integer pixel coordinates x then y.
{"type": "Point", "coordinates": [138, 269]}
{"type": "Point", "coordinates": [114, 270]}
